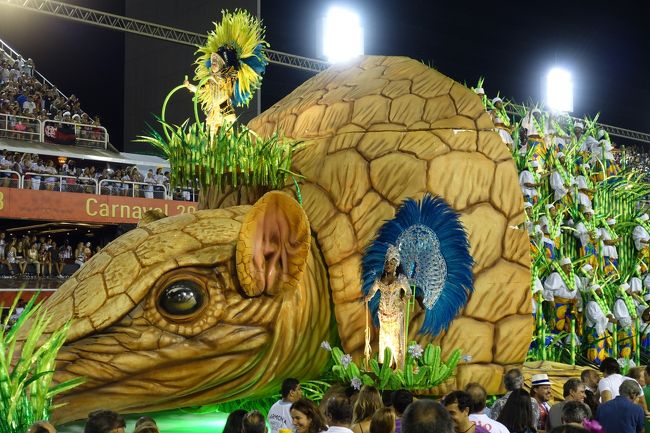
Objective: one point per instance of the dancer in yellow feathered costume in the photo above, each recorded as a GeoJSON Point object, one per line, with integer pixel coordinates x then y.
{"type": "Point", "coordinates": [230, 67]}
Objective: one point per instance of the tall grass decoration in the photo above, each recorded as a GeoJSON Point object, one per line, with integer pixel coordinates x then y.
{"type": "Point", "coordinates": [27, 362]}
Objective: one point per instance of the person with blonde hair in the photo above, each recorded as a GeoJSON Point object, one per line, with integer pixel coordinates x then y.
{"type": "Point", "coordinates": [368, 402]}
{"type": "Point", "coordinates": [383, 421]}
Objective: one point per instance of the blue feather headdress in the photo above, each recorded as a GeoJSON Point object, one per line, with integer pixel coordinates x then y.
{"type": "Point", "coordinates": [434, 256]}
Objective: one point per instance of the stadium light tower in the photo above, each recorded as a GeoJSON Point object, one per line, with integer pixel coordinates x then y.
{"type": "Point", "coordinates": [342, 35]}
{"type": "Point", "coordinates": [559, 90]}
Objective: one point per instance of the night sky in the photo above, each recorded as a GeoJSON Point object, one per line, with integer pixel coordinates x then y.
{"type": "Point", "coordinates": [511, 44]}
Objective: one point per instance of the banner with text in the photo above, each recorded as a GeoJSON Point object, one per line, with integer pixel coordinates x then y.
{"type": "Point", "coordinates": [76, 207]}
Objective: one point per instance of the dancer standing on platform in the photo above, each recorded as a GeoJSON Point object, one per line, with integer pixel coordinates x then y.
{"type": "Point", "coordinates": [597, 317]}
{"type": "Point", "coordinates": [625, 314]}
{"type": "Point", "coordinates": [609, 239]}
{"type": "Point", "coordinates": [588, 235]}
{"type": "Point", "coordinates": [641, 236]}
{"type": "Point", "coordinates": [394, 291]}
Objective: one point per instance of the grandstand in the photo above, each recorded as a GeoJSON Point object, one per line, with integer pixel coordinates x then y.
{"type": "Point", "coordinates": [65, 191]}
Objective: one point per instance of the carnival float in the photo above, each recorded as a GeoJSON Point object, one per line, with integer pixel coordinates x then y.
{"type": "Point", "coordinates": [382, 224]}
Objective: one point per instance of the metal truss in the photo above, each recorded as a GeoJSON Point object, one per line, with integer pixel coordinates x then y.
{"type": "Point", "coordinates": [145, 28]}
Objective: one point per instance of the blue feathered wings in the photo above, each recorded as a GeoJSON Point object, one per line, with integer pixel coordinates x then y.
{"type": "Point", "coordinates": [434, 255]}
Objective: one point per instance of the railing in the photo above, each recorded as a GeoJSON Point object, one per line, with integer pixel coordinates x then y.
{"type": "Point", "coordinates": [10, 179]}
{"type": "Point", "coordinates": [89, 185]}
{"type": "Point", "coordinates": [132, 189]}
{"type": "Point", "coordinates": [19, 127]}
{"type": "Point", "coordinates": [52, 131]}
{"type": "Point", "coordinates": [59, 132]}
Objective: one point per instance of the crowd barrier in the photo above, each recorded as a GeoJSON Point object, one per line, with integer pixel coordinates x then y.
{"type": "Point", "coordinates": [53, 131]}
{"type": "Point", "coordinates": [89, 185]}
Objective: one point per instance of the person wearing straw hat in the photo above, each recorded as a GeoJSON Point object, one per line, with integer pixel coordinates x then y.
{"type": "Point", "coordinates": [641, 237]}
{"type": "Point", "coordinates": [564, 288]}
{"type": "Point", "coordinates": [540, 391]}
{"type": "Point", "coordinates": [608, 241]}
{"type": "Point", "coordinates": [597, 317]}
{"type": "Point", "coordinates": [588, 235]}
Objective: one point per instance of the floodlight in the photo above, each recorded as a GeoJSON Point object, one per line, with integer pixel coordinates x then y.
{"type": "Point", "coordinates": [559, 90]}
{"type": "Point", "coordinates": [342, 35]}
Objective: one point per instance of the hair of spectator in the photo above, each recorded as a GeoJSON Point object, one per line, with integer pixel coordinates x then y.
{"type": "Point", "coordinates": [368, 402]}
{"type": "Point", "coordinates": [147, 427]}
{"type": "Point", "coordinates": [103, 421]}
{"type": "Point", "coordinates": [311, 411]}
{"type": "Point", "coordinates": [426, 416]}
{"type": "Point", "coordinates": [575, 411]}
{"type": "Point", "coordinates": [253, 422]}
{"type": "Point", "coordinates": [144, 419]}
{"type": "Point", "coordinates": [478, 395]}
{"type": "Point", "coordinates": [513, 379]}
{"type": "Point", "coordinates": [636, 373]}
{"type": "Point", "coordinates": [383, 421]}
{"type": "Point", "coordinates": [571, 385]}
{"type": "Point", "coordinates": [401, 399]}
{"type": "Point", "coordinates": [584, 376]}
{"type": "Point", "coordinates": [629, 388]}
{"type": "Point", "coordinates": [387, 397]}
{"type": "Point", "coordinates": [517, 413]}
{"type": "Point", "coordinates": [289, 384]}
{"type": "Point", "coordinates": [339, 409]}
{"type": "Point", "coordinates": [234, 421]}
{"type": "Point", "coordinates": [461, 398]}
{"type": "Point", "coordinates": [610, 366]}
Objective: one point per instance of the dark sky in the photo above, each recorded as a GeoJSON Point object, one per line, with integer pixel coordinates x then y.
{"type": "Point", "coordinates": [511, 44]}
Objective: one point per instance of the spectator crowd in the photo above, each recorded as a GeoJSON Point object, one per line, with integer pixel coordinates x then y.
{"type": "Point", "coordinates": [43, 174]}
{"type": "Point", "coordinates": [29, 256]}
{"type": "Point", "coordinates": [24, 101]}
{"type": "Point", "coordinates": [611, 404]}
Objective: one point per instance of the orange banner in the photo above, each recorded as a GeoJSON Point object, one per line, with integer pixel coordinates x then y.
{"type": "Point", "coordinates": [77, 207]}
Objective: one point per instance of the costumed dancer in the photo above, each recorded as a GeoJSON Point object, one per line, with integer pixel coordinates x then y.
{"type": "Point", "coordinates": [597, 317]}
{"type": "Point", "coordinates": [563, 287]}
{"type": "Point", "coordinates": [229, 68]}
{"type": "Point", "coordinates": [561, 181]}
{"type": "Point", "coordinates": [601, 156]}
{"type": "Point", "coordinates": [641, 236]}
{"type": "Point", "coordinates": [584, 190]}
{"type": "Point", "coordinates": [529, 182]}
{"type": "Point", "coordinates": [645, 324]}
{"type": "Point", "coordinates": [608, 241]}
{"type": "Point", "coordinates": [534, 125]}
{"type": "Point", "coordinates": [588, 235]}
{"type": "Point", "coordinates": [625, 314]}
{"type": "Point", "coordinates": [394, 291]}
{"type": "Point", "coordinates": [501, 128]}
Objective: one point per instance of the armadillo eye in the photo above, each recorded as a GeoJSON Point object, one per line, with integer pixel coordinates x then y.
{"type": "Point", "coordinates": [181, 298]}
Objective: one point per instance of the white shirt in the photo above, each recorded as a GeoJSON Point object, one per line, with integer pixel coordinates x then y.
{"type": "Point", "coordinates": [524, 178]}
{"type": "Point", "coordinates": [611, 383]}
{"type": "Point", "coordinates": [607, 250]}
{"type": "Point", "coordinates": [595, 317]}
{"type": "Point", "coordinates": [557, 183]}
{"type": "Point", "coordinates": [621, 313]}
{"type": "Point", "coordinates": [336, 429]}
{"type": "Point", "coordinates": [640, 234]}
{"type": "Point", "coordinates": [555, 284]}
{"type": "Point", "coordinates": [280, 416]}
{"type": "Point", "coordinates": [583, 234]}
{"type": "Point", "coordinates": [583, 199]}
{"type": "Point", "coordinates": [487, 423]}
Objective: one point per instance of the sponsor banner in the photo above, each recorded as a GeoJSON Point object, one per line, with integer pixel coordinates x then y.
{"type": "Point", "coordinates": [77, 207]}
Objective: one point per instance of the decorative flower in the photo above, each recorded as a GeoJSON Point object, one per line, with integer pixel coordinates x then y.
{"type": "Point", "coordinates": [415, 350]}
{"type": "Point", "coordinates": [326, 345]}
{"type": "Point", "coordinates": [346, 360]}
{"type": "Point", "coordinates": [356, 383]}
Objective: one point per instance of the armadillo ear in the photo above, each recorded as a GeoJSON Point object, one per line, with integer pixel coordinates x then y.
{"type": "Point", "coordinates": [273, 244]}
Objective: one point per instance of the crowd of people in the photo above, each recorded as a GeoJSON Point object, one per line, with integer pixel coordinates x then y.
{"type": "Point", "coordinates": [29, 256]}
{"type": "Point", "coordinates": [590, 404]}
{"type": "Point", "coordinates": [41, 174]}
{"type": "Point", "coordinates": [24, 100]}
{"type": "Point", "coordinates": [588, 238]}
